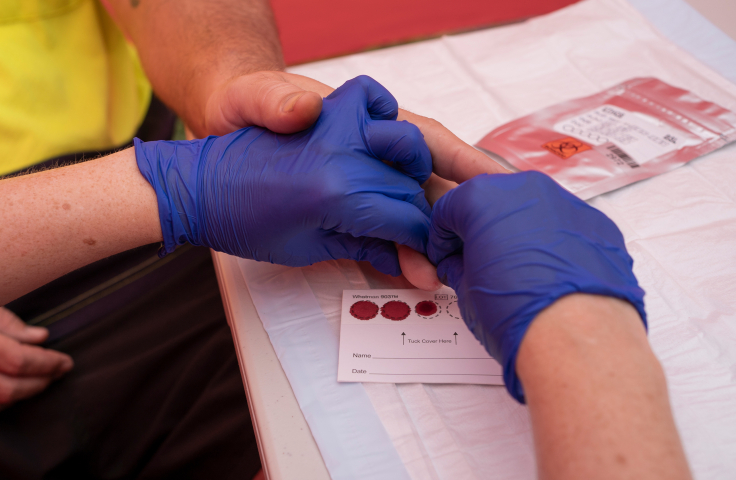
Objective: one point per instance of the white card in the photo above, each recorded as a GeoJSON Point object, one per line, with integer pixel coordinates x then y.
{"type": "Point", "coordinates": [410, 336]}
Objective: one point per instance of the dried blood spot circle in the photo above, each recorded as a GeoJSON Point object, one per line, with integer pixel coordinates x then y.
{"type": "Point", "coordinates": [395, 310]}
{"type": "Point", "coordinates": [426, 308]}
{"type": "Point", "coordinates": [364, 310]}
{"type": "Point", "coordinates": [453, 310]}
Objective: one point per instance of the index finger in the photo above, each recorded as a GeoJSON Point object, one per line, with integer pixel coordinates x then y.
{"type": "Point", "coordinates": [452, 159]}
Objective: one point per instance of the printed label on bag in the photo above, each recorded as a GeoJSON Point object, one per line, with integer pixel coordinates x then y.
{"type": "Point", "coordinates": [628, 137]}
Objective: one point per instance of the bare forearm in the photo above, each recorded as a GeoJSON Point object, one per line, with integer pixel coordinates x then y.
{"type": "Point", "coordinates": [190, 47]}
{"type": "Point", "coordinates": [597, 395]}
{"type": "Point", "coordinates": [56, 221]}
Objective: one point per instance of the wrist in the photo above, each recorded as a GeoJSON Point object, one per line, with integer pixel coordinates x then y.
{"type": "Point", "coordinates": [171, 168]}
{"type": "Point", "coordinates": [576, 333]}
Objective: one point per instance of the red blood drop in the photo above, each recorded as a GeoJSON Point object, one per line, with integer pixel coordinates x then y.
{"type": "Point", "coordinates": [395, 310]}
{"type": "Point", "coordinates": [426, 308]}
{"type": "Point", "coordinates": [364, 310]}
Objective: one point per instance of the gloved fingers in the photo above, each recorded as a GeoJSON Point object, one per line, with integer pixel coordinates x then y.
{"type": "Point", "coordinates": [444, 236]}
{"type": "Point", "coordinates": [318, 245]}
{"type": "Point", "coordinates": [363, 90]}
{"type": "Point", "coordinates": [379, 253]}
{"type": "Point", "coordinates": [389, 182]}
{"type": "Point", "coordinates": [264, 99]}
{"type": "Point", "coordinates": [450, 271]}
{"type": "Point", "coordinates": [402, 144]}
{"type": "Point", "coordinates": [375, 215]}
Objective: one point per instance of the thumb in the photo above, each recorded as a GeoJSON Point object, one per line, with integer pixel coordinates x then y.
{"type": "Point", "coordinates": [264, 99]}
{"type": "Point", "coordinates": [14, 327]}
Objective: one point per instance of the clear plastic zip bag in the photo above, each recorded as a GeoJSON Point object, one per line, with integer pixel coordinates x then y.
{"type": "Point", "coordinates": [635, 130]}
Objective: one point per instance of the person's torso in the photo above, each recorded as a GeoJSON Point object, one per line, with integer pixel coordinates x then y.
{"type": "Point", "coordinates": [69, 81]}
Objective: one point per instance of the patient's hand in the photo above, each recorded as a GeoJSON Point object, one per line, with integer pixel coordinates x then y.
{"type": "Point", "coordinates": [453, 162]}
{"type": "Point", "coordinates": [285, 103]}
{"type": "Point", "coordinates": [25, 368]}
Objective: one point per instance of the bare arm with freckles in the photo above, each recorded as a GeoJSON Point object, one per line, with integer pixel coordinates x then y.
{"type": "Point", "coordinates": [59, 220]}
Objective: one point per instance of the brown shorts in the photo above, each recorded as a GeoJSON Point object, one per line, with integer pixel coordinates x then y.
{"type": "Point", "coordinates": [155, 391]}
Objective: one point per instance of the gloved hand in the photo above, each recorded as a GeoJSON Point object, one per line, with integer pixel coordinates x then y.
{"type": "Point", "coordinates": [510, 245]}
{"type": "Point", "coordinates": [297, 199]}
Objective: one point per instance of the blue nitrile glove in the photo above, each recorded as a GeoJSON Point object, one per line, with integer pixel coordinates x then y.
{"type": "Point", "coordinates": [511, 245]}
{"type": "Point", "coordinates": [319, 194]}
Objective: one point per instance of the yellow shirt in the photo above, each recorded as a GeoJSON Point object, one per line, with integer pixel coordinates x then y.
{"type": "Point", "coordinates": [69, 81]}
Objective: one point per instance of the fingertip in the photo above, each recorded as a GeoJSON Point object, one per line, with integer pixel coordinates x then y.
{"type": "Point", "coordinates": [32, 334]}
{"type": "Point", "coordinates": [65, 366]}
{"type": "Point", "coordinates": [402, 144]}
{"type": "Point", "coordinates": [308, 107]}
{"type": "Point", "coordinates": [380, 103]}
{"type": "Point", "coordinates": [451, 270]}
{"type": "Point", "coordinates": [299, 111]}
{"type": "Point", "coordinates": [417, 269]}
{"type": "Point", "coordinates": [435, 187]}
{"type": "Point", "coordinates": [304, 100]}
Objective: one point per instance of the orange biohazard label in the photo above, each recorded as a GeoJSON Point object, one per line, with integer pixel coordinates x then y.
{"type": "Point", "coordinates": [566, 147]}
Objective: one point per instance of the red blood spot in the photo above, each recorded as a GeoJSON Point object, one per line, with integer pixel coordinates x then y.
{"type": "Point", "coordinates": [395, 310]}
{"type": "Point", "coordinates": [364, 310]}
{"type": "Point", "coordinates": [426, 308]}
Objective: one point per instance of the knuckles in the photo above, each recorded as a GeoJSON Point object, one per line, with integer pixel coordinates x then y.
{"type": "Point", "coordinates": [324, 192]}
{"type": "Point", "coordinates": [414, 135]}
{"type": "Point", "coordinates": [364, 81]}
{"type": "Point", "coordinates": [432, 124]}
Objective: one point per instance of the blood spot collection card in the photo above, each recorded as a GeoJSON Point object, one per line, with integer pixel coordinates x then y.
{"type": "Point", "coordinates": [410, 336]}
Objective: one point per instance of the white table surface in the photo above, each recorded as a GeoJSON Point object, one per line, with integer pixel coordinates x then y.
{"type": "Point", "coordinates": [285, 443]}
{"type": "Point", "coordinates": [721, 13]}
{"type": "Point", "coordinates": [287, 448]}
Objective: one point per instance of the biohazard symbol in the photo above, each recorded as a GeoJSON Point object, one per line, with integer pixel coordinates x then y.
{"type": "Point", "coordinates": [566, 147]}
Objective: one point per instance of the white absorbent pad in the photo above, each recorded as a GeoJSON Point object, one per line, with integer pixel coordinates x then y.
{"type": "Point", "coordinates": [680, 228]}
